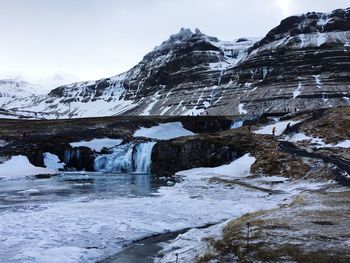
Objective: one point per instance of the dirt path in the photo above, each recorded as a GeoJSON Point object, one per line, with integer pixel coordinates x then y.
{"type": "Point", "coordinates": [342, 164]}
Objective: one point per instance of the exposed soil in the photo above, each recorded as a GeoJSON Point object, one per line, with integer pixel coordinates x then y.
{"type": "Point", "coordinates": [333, 127]}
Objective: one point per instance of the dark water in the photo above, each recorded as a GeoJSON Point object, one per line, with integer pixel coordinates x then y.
{"type": "Point", "coordinates": [14, 193]}
{"type": "Point", "coordinates": [143, 251]}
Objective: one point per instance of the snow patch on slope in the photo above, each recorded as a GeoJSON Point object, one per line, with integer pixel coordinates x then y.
{"type": "Point", "coordinates": [241, 109]}
{"type": "Point", "coordinates": [97, 144]}
{"type": "Point", "coordinates": [164, 131]}
{"type": "Point", "coordinates": [52, 161]}
{"type": "Point", "coordinates": [280, 127]}
{"type": "Point", "coordinates": [237, 168]}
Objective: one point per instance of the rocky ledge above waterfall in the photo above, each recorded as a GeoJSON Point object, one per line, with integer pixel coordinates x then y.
{"type": "Point", "coordinates": [34, 138]}
{"type": "Point", "coordinates": [212, 143]}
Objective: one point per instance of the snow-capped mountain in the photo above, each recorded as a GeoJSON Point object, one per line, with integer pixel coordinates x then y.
{"type": "Point", "coordinates": [11, 90]}
{"type": "Point", "coordinates": [302, 63]}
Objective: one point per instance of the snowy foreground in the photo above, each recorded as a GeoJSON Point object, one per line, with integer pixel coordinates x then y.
{"type": "Point", "coordinates": [86, 228]}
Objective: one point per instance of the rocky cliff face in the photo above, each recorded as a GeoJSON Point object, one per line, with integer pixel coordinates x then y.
{"type": "Point", "coordinates": [302, 63]}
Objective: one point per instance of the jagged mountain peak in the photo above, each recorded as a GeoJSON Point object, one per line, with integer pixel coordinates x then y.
{"type": "Point", "coordinates": [301, 63]}
{"type": "Point", "coordinates": [184, 36]}
{"type": "Point", "coordinates": [309, 23]}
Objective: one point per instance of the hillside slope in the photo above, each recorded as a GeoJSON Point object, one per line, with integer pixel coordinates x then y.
{"type": "Point", "coordinates": [304, 63]}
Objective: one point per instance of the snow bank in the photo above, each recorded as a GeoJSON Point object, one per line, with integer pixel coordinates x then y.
{"type": "Point", "coordinates": [344, 144]}
{"type": "Point", "coordinates": [298, 137]}
{"type": "Point", "coordinates": [52, 161]}
{"type": "Point", "coordinates": [97, 144]}
{"type": "Point", "coordinates": [241, 109]}
{"type": "Point", "coordinates": [280, 127]}
{"type": "Point", "coordinates": [237, 168]}
{"type": "Point", "coordinates": [19, 167]}
{"type": "Point", "coordinates": [164, 131]}
{"type": "Point", "coordinates": [190, 244]}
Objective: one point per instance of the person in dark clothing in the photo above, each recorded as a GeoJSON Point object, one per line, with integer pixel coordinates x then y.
{"type": "Point", "coordinates": [288, 127]}
{"type": "Point", "coordinates": [273, 131]}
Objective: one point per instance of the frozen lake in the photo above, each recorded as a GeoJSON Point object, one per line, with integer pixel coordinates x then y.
{"type": "Point", "coordinates": [77, 217]}
{"type": "Point", "coordinates": [66, 186]}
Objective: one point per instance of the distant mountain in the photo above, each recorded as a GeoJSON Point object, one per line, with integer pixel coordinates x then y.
{"type": "Point", "coordinates": [11, 90]}
{"type": "Point", "coordinates": [302, 63]}
{"type": "Point", "coordinates": [47, 83]}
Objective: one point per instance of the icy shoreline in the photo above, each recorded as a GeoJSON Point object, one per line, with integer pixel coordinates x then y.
{"type": "Point", "coordinates": [85, 230]}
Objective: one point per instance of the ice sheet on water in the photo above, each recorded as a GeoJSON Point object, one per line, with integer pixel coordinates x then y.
{"type": "Point", "coordinates": [86, 230]}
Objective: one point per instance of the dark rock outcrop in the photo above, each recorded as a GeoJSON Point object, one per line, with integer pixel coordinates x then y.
{"type": "Point", "coordinates": [171, 157]}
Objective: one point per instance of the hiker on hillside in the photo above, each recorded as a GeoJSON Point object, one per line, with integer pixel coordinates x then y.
{"type": "Point", "coordinates": [288, 127]}
{"type": "Point", "coordinates": [273, 130]}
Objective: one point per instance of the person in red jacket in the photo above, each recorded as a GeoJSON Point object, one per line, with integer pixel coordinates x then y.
{"type": "Point", "coordinates": [273, 130]}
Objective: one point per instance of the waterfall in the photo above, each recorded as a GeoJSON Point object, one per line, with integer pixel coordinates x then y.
{"type": "Point", "coordinates": [142, 157]}
{"type": "Point", "coordinates": [126, 158]}
{"type": "Point", "coordinates": [119, 161]}
{"type": "Point", "coordinates": [71, 156]}
{"type": "Point", "coordinates": [222, 72]}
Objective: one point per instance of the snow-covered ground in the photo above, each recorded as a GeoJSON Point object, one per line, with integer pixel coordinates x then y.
{"type": "Point", "coordinates": [238, 168]}
{"type": "Point", "coordinates": [52, 161]}
{"type": "Point", "coordinates": [190, 244]}
{"type": "Point", "coordinates": [19, 167]}
{"type": "Point", "coordinates": [280, 127]}
{"type": "Point", "coordinates": [83, 229]}
{"type": "Point", "coordinates": [97, 144]}
{"type": "Point", "coordinates": [164, 131]}
{"type": "Point", "coordinates": [317, 142]}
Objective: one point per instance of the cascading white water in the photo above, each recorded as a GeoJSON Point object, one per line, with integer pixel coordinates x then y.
{"type": "Point", "coordinates": [126, 158]}
{"type": "Point", "coordinates": [142, 157]}
{"type": "Point", "coordinates": [119, 161]}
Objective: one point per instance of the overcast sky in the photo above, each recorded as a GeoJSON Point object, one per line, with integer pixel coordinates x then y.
{"type": "Point", "coordinates": [91, 39]}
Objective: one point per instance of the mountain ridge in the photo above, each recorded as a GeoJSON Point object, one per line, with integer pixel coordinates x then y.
{"type": "Point", "coordinates": [303, 63]}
